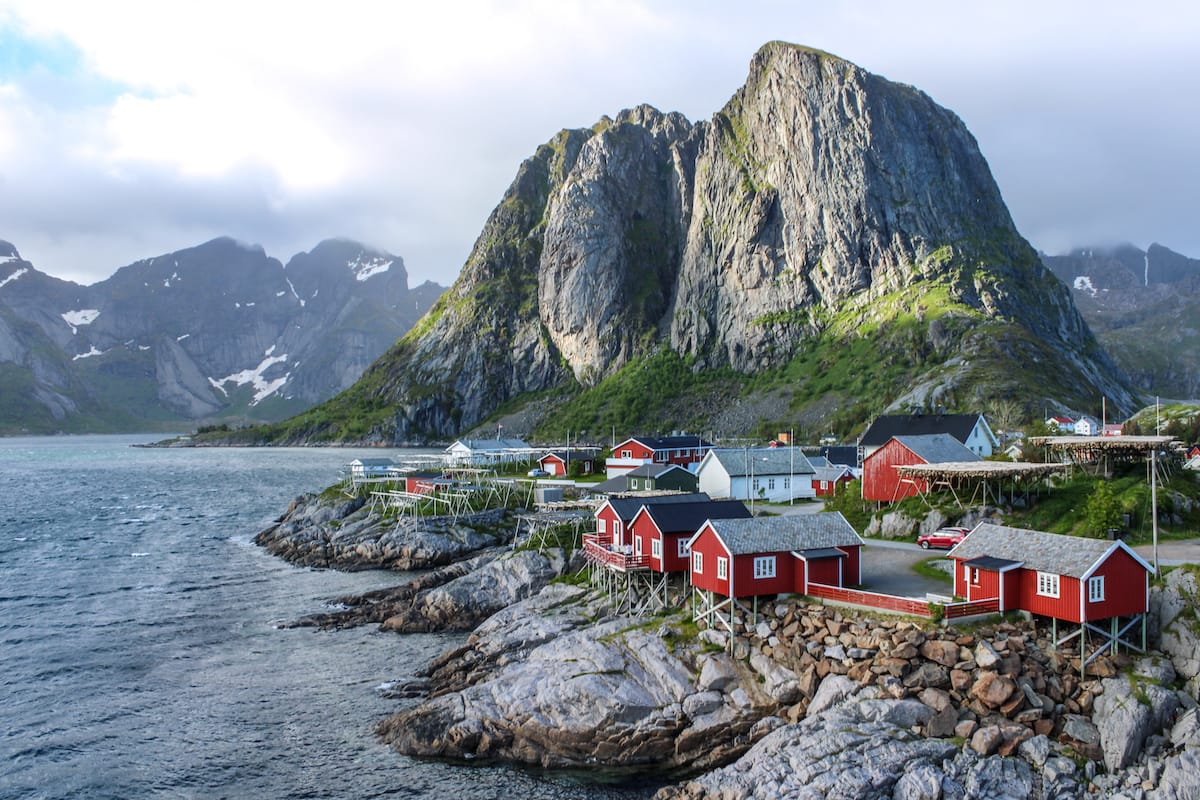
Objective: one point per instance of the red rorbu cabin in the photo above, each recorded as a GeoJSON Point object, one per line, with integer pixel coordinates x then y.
{"type": "Point", "coordinates": [612, 534]}
{"type": "Point", "coordinates": [774, 555]}
{"type": "Point", "coordinates": [663, 530]}
{"type": "Point", "coordinates": [559, 462]}
{"type": "Point", "coordinates": [631, 453]}
{"type": "Point", "coordinates": [1067, 578]}
{"type": "Point", "coordinates": [881, 482]}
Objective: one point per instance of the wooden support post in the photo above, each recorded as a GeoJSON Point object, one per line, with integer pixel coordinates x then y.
{"type": "Point", "coordinates": [1114, 636]}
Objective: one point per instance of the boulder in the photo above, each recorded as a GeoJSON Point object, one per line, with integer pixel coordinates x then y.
{"type": "Point", "coordinates": [1179, 781]}
{"type": "Point", "coordinates": [1126, 714]}
{"type": "Point", "coordinates": [717, 672]}
{"type": "Point", "coordinates": [992, 689]}
{"type": "Point", "coordinates": [940, 651]}
{"type": "Point", "coordinates": [833, 690]}
{"type": "Point", "coordinates": [1179, 623]}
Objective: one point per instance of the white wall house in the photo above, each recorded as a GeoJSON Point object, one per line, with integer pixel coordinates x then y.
{"type": "Point", "coordinates": [1087, 426]}
{"type": "Point", "coordinates": [771, 474]}
{"type": "Point", "coordinates": [489, 452]}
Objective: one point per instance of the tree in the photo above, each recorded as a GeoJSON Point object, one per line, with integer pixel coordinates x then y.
{"type": "Point", "coordinates": [1103, 510]}
{"type": "Point", "coordinates": [1004, 414]}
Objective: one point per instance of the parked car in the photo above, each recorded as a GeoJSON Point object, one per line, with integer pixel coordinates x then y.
{"type": "Point", "coordinates": [943, 537]}
{"type": "Point", "coordinates": [538, 473]}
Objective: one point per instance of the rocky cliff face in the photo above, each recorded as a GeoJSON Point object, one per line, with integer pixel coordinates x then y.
{"type": "Point", "coordinates": [1141, 305]}
{"type": "Point", "coordinates": [823, 203]}
{"type": "Point", "coordinates": [216, 330]}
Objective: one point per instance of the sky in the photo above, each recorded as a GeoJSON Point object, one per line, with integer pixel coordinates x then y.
{"type": "Point", "coordinates": [131, 129]}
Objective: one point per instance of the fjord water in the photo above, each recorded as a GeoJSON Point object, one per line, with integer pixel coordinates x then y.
{"type": "Point", "coordinates": [139, 649]}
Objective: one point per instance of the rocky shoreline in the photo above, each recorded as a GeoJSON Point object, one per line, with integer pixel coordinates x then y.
{"type": "Point", "coordinates": [806, 701]}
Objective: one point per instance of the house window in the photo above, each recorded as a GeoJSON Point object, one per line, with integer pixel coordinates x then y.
{"type": "Point", "coordinates": [626, 454]}
{"type": "Point", "coordinates": [698, 562]}
{"type": "Point", "coordinates": [722, 568]}
{"type": "Point", "coordinates": [975, 575]}
{"type": "Point", "coordinates": [770, 484]}
{"type": "Point", "coordinates": [1047, 584]}
{"type": "Point", "coordinates": [601, 524]}
{"type": "Point", "coordinates": [637, 545]}
{"type": "Point", "coordinates": [1096, 589]}
{"type": "Point", "coordinates": [787, 483]}
{"type": "Point", "coordinates": [656, 548]}
{"type": "Point", "coordinates": [764, 567]}
{"type": "Point", "coordinates": [756, 484]}
{"type": "Point", "coordinates": [683, 548]}
{"type": "Point", "coordinates": [617, 528]}
{"type": "Point", "coordinates": [966, 573]}
{"type": "Point", "coordinates": [633, 483]}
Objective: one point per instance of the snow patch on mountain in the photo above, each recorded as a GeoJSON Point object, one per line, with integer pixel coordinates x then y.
{"type": "Point", "coordinates": [14, 276]}
{"type": "Point", "coordinates": [1084, 284]}
{"type": "Point", "coordinates": [366, 268]}
{"type": "Point", "coordinates": [88, 354]}
{"type": "Point", "coordinates": [263, 387]}
{"type": "Point", "coordinates": [79, 318]}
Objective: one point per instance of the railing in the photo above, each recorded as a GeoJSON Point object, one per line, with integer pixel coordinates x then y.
{"type": "Point", "coordinates": [903, 605]}
{"type": "Point", "coordinates": [602, 554]}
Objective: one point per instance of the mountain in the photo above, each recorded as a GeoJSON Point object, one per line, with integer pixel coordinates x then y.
{"type": "Point", "coordinates": [1142, 306]}
{"type": "Point", "coordinates": [828, 245]}
{"type": "Point", "coordinates": [217, 331]}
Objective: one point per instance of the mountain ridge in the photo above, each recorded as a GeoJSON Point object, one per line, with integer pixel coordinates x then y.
{"type": "Point", "coordinates": [822, 212]}
{"type": "Point", "coordinates": [215, 331]}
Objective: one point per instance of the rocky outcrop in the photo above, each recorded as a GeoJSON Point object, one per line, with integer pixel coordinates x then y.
{"type": "Point", "coordinates": [1131, 709]}
{"type": "Point", "coordinates": [820, 205]}
{"type": "Point", "coordinates": [1174, 607]}
{"type": "Point", "coordinates": [343, 533]}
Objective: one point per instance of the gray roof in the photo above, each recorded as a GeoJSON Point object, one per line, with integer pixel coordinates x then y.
{"type": "Point", "coordinates": [785, 534]}
{"type": "Point", "coordinates": [938, 448]}
{"type": "Point", "coordinates": [610, 486]}
{"type": "Point", "coordinates": [763, 461]}
{"type": "Point", "coordinates": [1073, 556]}
{"type": "Point", "coordinates": [628, 506]}
{"type": "Point", "coordinates": [883, 428]}
{"type": "Point", "coordinates": [831, 473]}
{"type": "Point", "coordinates": [653, 470]}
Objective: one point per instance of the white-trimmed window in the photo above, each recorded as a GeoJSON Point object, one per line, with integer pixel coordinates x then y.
{"type": "Point", "coordinates": [626, 454]}
{"type": "Point", "coordinates": [787, 483]}
{"type": "Point", "coordinates": [617, 528]}
{"type": "Point", "coordinates": [966, 573]}
{"type": "Point", "coordinates": [637, 545]}
{"type": "Point", "coordinates": [601, 524]}
{"type": "Point", "coordinates": [1096, 589]}
{"type": "Point", "coordinates": [1047, 584]}
{"type": "Point", "coordinates": [683, 548]}
{"type": "Point", "coordinates": [770, 484]}
{"type": "Point", "coordinates": [764, 567]}
{"type": "Point", "coordinates": [722, 568]}
{"type": "Point", "coordinates": [975, 576]}
{"type": "Point", "coordinates": [756, 484]}
{"type": "Point", "coordinates": [698, 562]}
{"type": "Point", "coordinates": [656, 548]}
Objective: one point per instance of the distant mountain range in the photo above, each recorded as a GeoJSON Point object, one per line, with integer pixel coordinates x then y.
{"type": "Point", "coordinates": [1144, 307]}
{"type": "Point", "coordinates": [830, 245]}
{"type": "Point", "coordinates": [217, 332]}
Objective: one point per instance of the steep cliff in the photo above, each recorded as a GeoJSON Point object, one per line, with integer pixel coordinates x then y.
{"type": "Point", "coordinates": [825, 214]}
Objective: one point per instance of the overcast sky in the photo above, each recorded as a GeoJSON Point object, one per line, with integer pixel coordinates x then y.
{"type": "Point", "coordinates": [131, 129]}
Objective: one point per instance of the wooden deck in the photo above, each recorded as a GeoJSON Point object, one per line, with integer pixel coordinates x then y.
{"type": "Point", "coordinates": [901, 605]}
{"type": "Point", "coordinates": [600, 552]}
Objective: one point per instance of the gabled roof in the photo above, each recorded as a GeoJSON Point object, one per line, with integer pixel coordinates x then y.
{"type": "Point", "coordinates": [761, 461]}
{"type": "Point", "coordinates": [668, 442]}
{"type": "Point", "coordinates": [611, 486]}
{"type": "Point", "coordinates": [627, 507]}
{"type": "Point", "coordinates": [490, 445]}
{"type": "Point", "coordinates": [654, 470]}
{"type": "Point", "coordinates": [938, 448]}
{"type": "Point", "coordinates": [784, 534]}
{"type": "Point", "coordinates": [572, 455]}
{"type": "Point", "coordinates": [1072, 556]}
{"type": "Point", "coordinates": [841, 454]}
{"type": "Point", "coordinates": [885, 427]}
{"type": "Point", "coordinates": [832, 473]}
{"type": "Point", "coordinates": [373, 462]}
{"type": "Point", "coordinates": [681, 517]}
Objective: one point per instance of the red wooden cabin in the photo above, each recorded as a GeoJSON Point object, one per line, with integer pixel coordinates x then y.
{"type": "Point", "coordinates": [558, 463]}
{"type": "Point", "coordinates": [1062, 577]}
{"type": "Point", "coordinates": [632, 453]}
{"type": "Point", "coordinates": [774, 555]}
{"type": "Point", "coordinates": [881, 482]}
{"type": "Point", "coordinates": [662, 531]}
{"type": "Point", "coordinates": [612, 542]}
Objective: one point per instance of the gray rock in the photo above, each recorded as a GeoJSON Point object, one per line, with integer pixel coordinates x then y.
{"type": "Point", "coordinates": [833, 690]}
{"type": "Point", "coordinates": [1057, 767]}
{"type": "Point", "coordinates": [1179, 632]}
{"type": "Point", "coordinates": [697, 705]}
{"type": "Point", "coordinates": [716, 672]}
{"type": "Point", "coordinates": [835, 653]}
{"type": "Point", "coordinates": [986, 656]}
{"type": "Point", "coordinates": [921, 781]}
{"type": "Point", "coordinates": [1180, 778]}
{"type": "Point", "coordinates": [1186, 731]}
{"type": "Point", "coordinates": [1126, 716]}
{"type": "Point", "coordinates": [1035, 750]}
{"type": "Point", "coordinates": [1080, 729]}
{"type": "Point", "coordinates": [778, 682]}
{"type": "Point", "coordinates": [999, 779]}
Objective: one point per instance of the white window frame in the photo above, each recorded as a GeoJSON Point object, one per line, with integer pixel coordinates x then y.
{"type": "Point", "coordinates": [722, 568]}
{"type": "Point", "coordinates": [616, 529]}
{"type": "Point", "coordinates": [626, 454]}
{"type": "Point", "coordinates": [1047, 584]}
{"type": "Point", "coordinates": [770, 484]}
{"type": "Point", "coordinates": [601, 524]}
{"type": "Point", "coordinates": [1095, 589]}
{"type": "Point", "coordinates": [966, 574]}
{"type": "Point", "coordinates": [697, 562]}
{"type": "Point", "coordinates": [764, 567]}
{"type": "Point", "coordinates": [974, 576]}
{"type": "Point", "coordinates": [683, 548]}
{"type": "Point", "coordinates": [637, 546]}
{"type": "Point", "coordinates": [656, 548]}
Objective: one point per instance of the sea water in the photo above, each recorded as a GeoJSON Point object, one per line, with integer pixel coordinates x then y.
{"type": "Point", "coordinates": [140, 647]}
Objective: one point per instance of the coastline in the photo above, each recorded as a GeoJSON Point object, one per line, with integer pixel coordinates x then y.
{"type": "Point", "coordinates": [549, 677]}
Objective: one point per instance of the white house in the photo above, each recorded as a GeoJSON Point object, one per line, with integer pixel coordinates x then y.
{"type": "Point", "coordinates": [773, 474]}
{"type": "Point", "coordinates": [371, 467]}
{"type": "Point", "coordinates": [1086, 426]}
{"type": "Point", "coordinates": [1061, 424]}
{"type": "Point", "coordinates": [488, 452]}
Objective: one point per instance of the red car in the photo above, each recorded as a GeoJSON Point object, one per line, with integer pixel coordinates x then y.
{"type": "Point", "coordinates": [943, 537]}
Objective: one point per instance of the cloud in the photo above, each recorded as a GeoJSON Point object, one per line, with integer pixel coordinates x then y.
{"type": "Point", "coordinates": [128, 129]}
